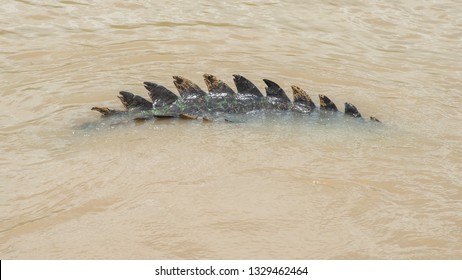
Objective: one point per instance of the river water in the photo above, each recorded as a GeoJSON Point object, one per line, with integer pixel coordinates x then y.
{"type": "Point", "coordinates": [75, 186]}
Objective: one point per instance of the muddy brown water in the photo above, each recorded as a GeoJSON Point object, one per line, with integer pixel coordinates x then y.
{"type": "Point", "coordinates": [76, 187]}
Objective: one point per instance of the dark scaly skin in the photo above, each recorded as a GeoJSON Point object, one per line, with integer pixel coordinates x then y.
{"type": "Point", "coordinates": [188, 89]}
{"type": "Point", "coordinates": [246, 87]}
{"type": "Point", "coordinates": [106, 112]}
{"type": "Point", "coordinates": [221, 99]}
{"type": "Point", "coordinates": [217, 87]}
{"type": "Point", "coordinates": [374, 119]}
{"type": "Point", "coordinates": [160, 95]}
{"type": "Point", "coordinates": [350, 110]}
{"type": "Point", "coordinates": [134, 102]}
{"type": "Point", "coordinates": [249, 98]}
{"type": "Point", "coordinates": [276, 98]}
{"type": "Point", "coordinates": [193, 100]}
{"type": "Point", "coordinates": [326, 104]}
{"type": "Point", "coordinates": [302, 101]}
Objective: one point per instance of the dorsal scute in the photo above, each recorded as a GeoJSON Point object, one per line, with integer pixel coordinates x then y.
{"type": "Point", "coordinates": [217, 86]}
{"type": "Point", "coordinates": [302, 98]}
{"type": "Point", "coordinates": [132, 101]}
{"type": "Point", "coordinates": [244, 86]}
{"type": "Point", "coordinates": [374, 119]}
{"type": "Point", "coordinates": [273, 90]}
{"type": "Point", "coordinates": [105, 111]}
{"type": "Point", "coordinates": [351, 110]}
{"type": "Point", "coordinates": [326, 104]}
{"type": "Point", "coordinates": [160, 95]}
{"type": "Point", "coordinates": [187, 88]}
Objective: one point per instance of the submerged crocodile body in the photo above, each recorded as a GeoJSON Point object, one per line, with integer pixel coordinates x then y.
{"type": "Point", "coordinates": [220, 101]}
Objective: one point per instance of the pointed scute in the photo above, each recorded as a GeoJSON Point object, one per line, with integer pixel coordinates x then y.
{"type": "Point", "coordinates": [106, 111]}
{"type": "Point", "coordinates": [216, 86]}
{"type": "Point", "coordinates": [302, 98]}
{"type": "Point", "coordinates": [326, 104]}
{"type": "Point", "coordinates": [350, 110]}
{"type": "Point", "coordinates": [187, 89]}
{"type": "Point", "coordinates": [275, 91]}
{"type": "Point", "coordinates": [132, 101]}
{"type": "Point", "coordinates": [160, 95]}
{"type": "Point", "coordinates": [374, 119]}
{"type": "Point", "coordinates": [245, 86]}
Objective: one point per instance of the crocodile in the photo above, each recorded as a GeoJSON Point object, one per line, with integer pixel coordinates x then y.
{"type": "Point", "coordinates": [221, 101]}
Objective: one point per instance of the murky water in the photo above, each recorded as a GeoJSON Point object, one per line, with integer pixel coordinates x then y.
{"type": "Point", "coordinates": [259, 189]}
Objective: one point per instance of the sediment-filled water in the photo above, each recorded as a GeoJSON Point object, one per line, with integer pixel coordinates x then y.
{"type": "Point", "coordinates": [77, 186]}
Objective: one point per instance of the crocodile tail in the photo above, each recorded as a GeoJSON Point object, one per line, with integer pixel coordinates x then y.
{"type": "Point", "coordinates": [326, 104]}
{"type": "Point", "coordinates": [302, 98]}
{"type": "Point", "coordinates": [245, 86]}
{"type": "Point", "coordinates": [187, 88]}
{"type": "Point", "coordinates": [350, 110]}
{"type": "Point", "coordinates": [160, 95]}
{"type": "Point", "coordinates": [275, 91]}
{"type": "Point", "coordinates": [216, 86]}
{"type": "Point", "coordinates": [134, 102]}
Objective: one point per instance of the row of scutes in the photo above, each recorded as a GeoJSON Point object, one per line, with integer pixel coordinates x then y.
{"type": "Point", "coordinates": [221, 93]}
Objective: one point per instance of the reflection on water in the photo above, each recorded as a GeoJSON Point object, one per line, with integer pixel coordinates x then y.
{"type": "Point", "coordinates": [77, 186]}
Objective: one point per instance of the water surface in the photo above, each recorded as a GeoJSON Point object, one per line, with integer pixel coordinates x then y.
{"type": "Point", "coordinates": [264, 189]}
